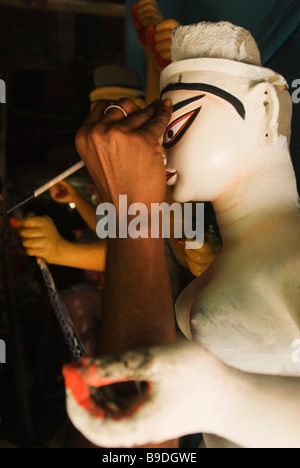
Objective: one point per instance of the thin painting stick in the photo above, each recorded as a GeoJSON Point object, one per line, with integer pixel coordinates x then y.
{"type": "Point", "coordinates": [50, 184]}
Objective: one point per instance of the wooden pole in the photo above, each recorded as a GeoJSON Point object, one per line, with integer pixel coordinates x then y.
{"type": "Point", "coordinates": [85, 7]}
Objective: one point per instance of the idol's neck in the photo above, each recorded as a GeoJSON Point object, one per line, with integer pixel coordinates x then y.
{"type": "Point", "coordinates": [256, 198]}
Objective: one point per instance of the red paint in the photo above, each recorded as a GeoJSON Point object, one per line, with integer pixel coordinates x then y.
{"type": "Point", "coordinates": [77, 381]}
{"type": "Point", "coordinates": [15, 223]}
{"type": "Point", "coordinates": [181, 243]}
{"type": "Point", "coordinates": [147, 36]}
{"type": "Point", "coordinates": [62, 191]}
{"type": "Point", "coordinates": [169, 175]}
{"type": "Point", "coordinates": [79, 390]}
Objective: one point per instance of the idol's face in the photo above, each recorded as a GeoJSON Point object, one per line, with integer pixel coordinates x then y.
{"type": "Point", "coordinates": [207, 142]}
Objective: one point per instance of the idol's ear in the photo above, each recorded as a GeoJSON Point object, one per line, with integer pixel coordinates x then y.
{"type": "Point", "coordinates": [266, 112]}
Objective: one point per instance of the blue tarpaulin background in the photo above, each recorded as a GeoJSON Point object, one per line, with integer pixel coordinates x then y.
{"type": "Point", "coordinates": [273, 23]}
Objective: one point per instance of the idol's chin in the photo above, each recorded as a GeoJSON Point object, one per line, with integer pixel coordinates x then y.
{"type": "Point", "coordinates": [178, 195]}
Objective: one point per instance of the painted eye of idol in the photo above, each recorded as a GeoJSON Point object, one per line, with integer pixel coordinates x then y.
{"type": "Point", "coordinates": [178, 128]}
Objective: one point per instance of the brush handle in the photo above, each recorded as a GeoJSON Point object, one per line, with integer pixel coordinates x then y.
{"type": "Point", "coordinates": [50, 184]}
{"type": "Point", "coordinates": [59, 178]}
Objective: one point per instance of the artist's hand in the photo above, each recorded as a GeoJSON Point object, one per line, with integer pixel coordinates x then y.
{"type": "Point", "coordinates": [41, 239]}
{"type": "Point", "coordinates": [179, 395]}
{"type": "Point", "coordinates": [64, 193]}
{"type": "Point", "coordinates": [124, 155]}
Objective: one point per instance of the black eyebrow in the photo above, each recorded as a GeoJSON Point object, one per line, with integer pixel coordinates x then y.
{"type": "Point", "coordinates": [182, 104]}
{"type": "Point", "coordinates": [235, 102]}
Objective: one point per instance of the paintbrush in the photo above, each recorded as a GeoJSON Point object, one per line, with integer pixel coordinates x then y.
{"type": "Point", "coordinates": [50, 184]}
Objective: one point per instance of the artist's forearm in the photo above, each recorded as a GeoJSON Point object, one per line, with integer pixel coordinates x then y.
{"type": "Point", "coordinates": [138, 306]}
{"type": "Point", "coordinates": [260, 411]}
{"type": "Point", "coordinates": [86, 211]}
{"type": "Point", "coordinates": [90, 256]}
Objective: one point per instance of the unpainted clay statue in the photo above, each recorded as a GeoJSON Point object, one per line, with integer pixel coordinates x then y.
{"type": "Point", "coordinates": [228, 143]}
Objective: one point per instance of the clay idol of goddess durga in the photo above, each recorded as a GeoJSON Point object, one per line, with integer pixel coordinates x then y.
{"type": "Point", "coordinates": [228, 143]}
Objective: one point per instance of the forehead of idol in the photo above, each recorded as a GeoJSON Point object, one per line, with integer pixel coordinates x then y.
{"type": "Point", "coordinates": [205, 89]}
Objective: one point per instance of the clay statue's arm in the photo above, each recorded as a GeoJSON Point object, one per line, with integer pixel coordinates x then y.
{"type": "Point", "coordinates": [41, 239]}
{"type": "Point", "coordinates": [66, 193]}
{"type": "Point", "coordinates": [91, 256]}
{"type": "Point", "coordinates": [190, 391]}
{"type": "Point", "coordinates": [261, 411]}
{"type": "Point", "coordinates": [154, 33]}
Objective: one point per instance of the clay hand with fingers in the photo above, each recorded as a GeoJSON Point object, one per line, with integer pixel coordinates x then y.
{"type": "Point", "coordinates": [171, 383]}
{"type": "Point", "coordinates": [124, 155]}
{"type": "Point", "coordinates": [63, 192]}
{"type": "Point", "coordinates": [41, 239]}
{"type": "Point", "coordinates": [153, 30]}
{"type": "Point", "coordinates": [199, 259]}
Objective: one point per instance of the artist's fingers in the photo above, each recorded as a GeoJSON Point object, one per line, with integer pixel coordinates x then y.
{"type": "Point", "coordinates": [119, 111]}
{"type": "Point", "coordinates": [158, 124]}
{"type": "Point", "coordinates": [97, 113]}
{"type": "Point", "coordinates": [139, 118]}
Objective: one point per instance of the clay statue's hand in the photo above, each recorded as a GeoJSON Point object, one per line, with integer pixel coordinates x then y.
{"type": "Point", "coordinates": [154, 32]}
{"type": "Point", "coordinates": [145, 13]}
{"type": "Point", "coordinates": [41, 239]}
{"type": "Point", "coordinates": [64, 193]}
{"type": "Point", "coordinates": [199, 260]}
{"type": "Point", "coordinates": [160, 41]}
{"type": "Point", "coordinates": [178, 389]}
{"type": "Point", "coordinates": [124, 155]}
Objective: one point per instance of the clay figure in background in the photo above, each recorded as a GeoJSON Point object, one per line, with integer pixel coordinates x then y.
{"type": "Point", "coordinates": [41, 238]}
{"type": "Point", "coordinates": [227, 141]}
